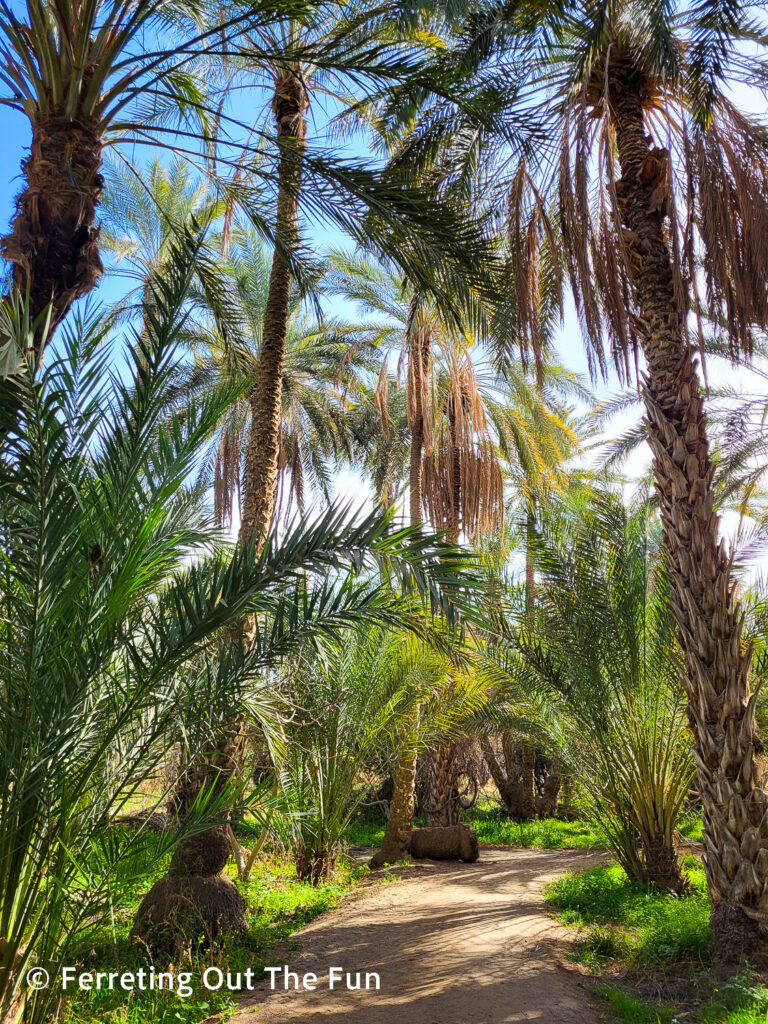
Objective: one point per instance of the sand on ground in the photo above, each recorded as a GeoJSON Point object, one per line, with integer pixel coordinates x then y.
{"type": "Point", "coordinates": [452, 944]}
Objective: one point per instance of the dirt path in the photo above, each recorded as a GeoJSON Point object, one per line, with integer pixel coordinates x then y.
{"type": "Point", "coordinates": [451, 943]}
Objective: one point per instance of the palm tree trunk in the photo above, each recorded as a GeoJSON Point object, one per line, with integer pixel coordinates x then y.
{"type": "Point", "coordinates": [717, 663]}
{"type": "Point", "coordinates": [444, 802]}
{"type": "Point", "coordinates": [397, 834]}
{"type": "Point", "coordinates": [53, 244]}
{"type": "Point", "coordinates": [398, 829]}
{"type": "Point", "coordinates": [264, 396]}
{"type": "Point", "coordinates": [528, 809]}
{"type": "Point", "coordinates": [510, 790]}
{"type": "Point", "coordinates": [265, 393]}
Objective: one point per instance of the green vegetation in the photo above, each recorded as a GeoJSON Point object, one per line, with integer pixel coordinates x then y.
{"type": "Point", "coordinates": [278, 904]}
{"type": "Point", "coordinates": [494, 827]}
{"type": "Point", "coordinates": [358, 234]}
{"type": "Point", "coordinates": [626, 921]}
{"type": "Point", "coordinates": [739, 1001]}
{"type": "Point", "coordinates": [655, 938]}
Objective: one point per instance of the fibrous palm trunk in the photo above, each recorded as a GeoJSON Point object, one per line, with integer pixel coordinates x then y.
{"type": "Point", "coordinates": [716, 661]}
{"type": "Point", "coordinates": [444, 797]}
{"type": "Point", "coordinates": [289, 105]}
{"type": "Point", "coordinates": [260, 471]}
{"type": "Point", "coordinates": [397, 834]}
{"type": "Point", "coordinates": [398, 830]}
{"type": "Point", "coordinates": [528, 809]}
{"type": "Point", "coordinates": [53, 243]}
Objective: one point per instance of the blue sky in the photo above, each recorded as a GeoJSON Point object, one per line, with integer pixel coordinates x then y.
{"type": "Point", "coordinates": [15, 133]}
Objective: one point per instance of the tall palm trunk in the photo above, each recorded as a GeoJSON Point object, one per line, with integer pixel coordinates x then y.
{"type": "Point", "coordinates": [398, 830]}
{"type": "Point", "coordinates": [211, 848]}
{"type": "Point", "coordinates": [528, 809]}
{"type": "Point", "coordinates": [53, 243]}
{"type": "Point", "coordinates": [444, 797]}
{"type": "Point", "coordinates": [289, 107]}
{"type": "Point", "coordinates": [717, 663]}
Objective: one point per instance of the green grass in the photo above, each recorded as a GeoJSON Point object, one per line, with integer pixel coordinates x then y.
{"type": "Point", "coordinates": [494, 827]}
{"type": "Point", "coordinates": [624, 921]}
{"type": "Point", "coordinates": [278, 904]}
{"type": "Point", "coordinates": [629, 1010]}
{"type": "Point", "coordinates": [740, 1001]}
{"type": "Point", "coordinates": [691, 826]}
{"type": "Point", "coordinates": [364, 833]}
{"type": "Point", "coordinates": [652, 936]}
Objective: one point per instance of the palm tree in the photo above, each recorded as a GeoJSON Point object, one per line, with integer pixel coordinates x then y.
{"type": "Point", "coordinates": [595, 667]}
{"type": "Point", "coordinates": [352, 54]}
{"type": "Point", "coordinates": [463, 421]}
{"type": "Point", "coordinates": [353, 701]}
{"type": "Point", "coordinates": [142, 217]}
{"type": "Point", "coordinates": [658, 185]}
{"type": "Point", "coordinates": [325, 365]}
{"type": "Point", "coordinates": [327, 359]}
{"type": "Point", "coordinates": [80, 72]}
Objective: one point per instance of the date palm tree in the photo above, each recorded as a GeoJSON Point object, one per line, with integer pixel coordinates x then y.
{"type": "Point", "coordinates": [463, 422]}
{"type": "Point", "coordinates": [596, 664]}
{"type": "Point", "coordinates": [326, 361]}
{"type": "Point", "coordinates": [349, 53]}
{"type": "Point", "coordinates": [80, 71]}
{"type": "Point", "coordinates": [656, 184]}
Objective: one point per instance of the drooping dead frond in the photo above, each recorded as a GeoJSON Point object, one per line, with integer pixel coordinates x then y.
{"type": "Point", "coordinates": [462, 479]}
{"type": "Point", "coordinates": [708, 183]}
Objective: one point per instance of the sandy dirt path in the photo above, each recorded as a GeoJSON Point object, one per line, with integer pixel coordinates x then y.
{"type": "Point", "coordinates": [452, 944]}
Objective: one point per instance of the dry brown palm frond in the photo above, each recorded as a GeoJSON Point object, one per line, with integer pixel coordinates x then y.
{"type": "Point", "coordinates": [462, 479]}
{"type": "Point", "coordinates": [226, 480]}
{"type": "Point", "coordinates": [711, 184]}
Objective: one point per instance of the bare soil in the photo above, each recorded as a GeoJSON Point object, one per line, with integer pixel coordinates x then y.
{"type": "Point", "coordinates": [452, 944]}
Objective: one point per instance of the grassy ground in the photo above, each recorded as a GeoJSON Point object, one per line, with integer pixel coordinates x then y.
{"type": "Point", "coordinates": [659, 944]}
{"type": "Point", "coordinates": [495, 828]}
{"type": "Point", "coordinates": [278, 905]}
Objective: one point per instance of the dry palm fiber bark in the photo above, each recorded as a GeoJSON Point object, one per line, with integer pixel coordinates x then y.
{"type": "Point", "coordinates": [716, 660]}
{"type": "Point", "coordinates": [53, 243]}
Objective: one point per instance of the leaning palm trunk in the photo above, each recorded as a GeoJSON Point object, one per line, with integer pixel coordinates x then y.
{"type": "Point", "coordinates": [53, 243]}
{"type": "Point", "coordinates": [397, 834]}
{"type": "Point", "coordinates": [265, 394]}
{"type": "Point", "coordinates": [717, 663]}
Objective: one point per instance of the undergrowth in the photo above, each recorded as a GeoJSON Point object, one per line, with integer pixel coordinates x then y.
{"type": "Point", "coordinates": [278, 905]}
{"type": "Point", "coordinates": [653, 937]}
{"type": "Point", "coordinates": [494, 827]}
{"type": "Point", "coordinates": [623, 920]}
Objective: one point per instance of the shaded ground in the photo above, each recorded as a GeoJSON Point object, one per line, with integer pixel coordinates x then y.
{"type": "Point", "coordinates": [452, 943]}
